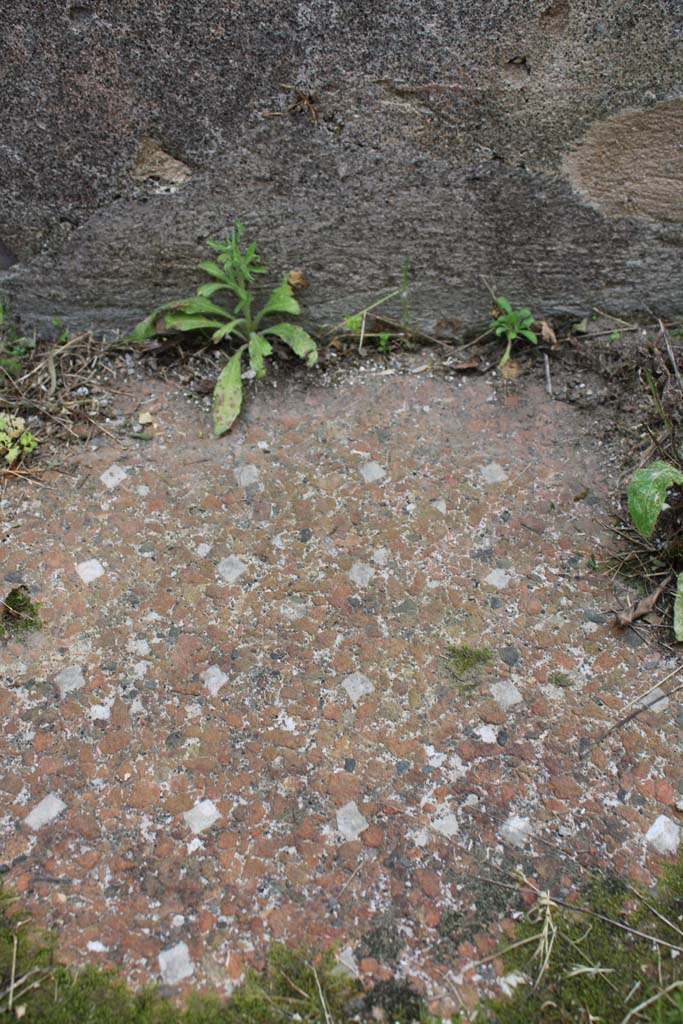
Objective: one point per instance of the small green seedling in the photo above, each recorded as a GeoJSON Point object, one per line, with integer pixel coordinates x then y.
{"type": "Point", "coordinates": [14, 349]}
{"type": "Point", "coordinates": [647, 498]}
{"type": "Point", "coordinates": [354, 325]}
{"type": "Point", "coordinates": [512, 324]}
{"type": "Point", "coordinates": [233, 270]}
{"type": "Point", "coordinates": [15, 440]}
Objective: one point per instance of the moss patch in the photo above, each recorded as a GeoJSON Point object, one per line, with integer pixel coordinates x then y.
{"type": "Point", "coordinates": [304, 986]}
{"type": "Point", "coordinates": [561, 679]}
{"type": "Point", "coordinates": [18, 614]}
{"type": "Point", "coordinates": [466, 663]}
{"type": "Point", "coordinates": [598, 967]}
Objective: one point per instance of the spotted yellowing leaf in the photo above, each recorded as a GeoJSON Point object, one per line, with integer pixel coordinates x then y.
{"type": "Point", "coordinates": [647, 494]}
{"type": "Point", "coordinates": [227, 394]}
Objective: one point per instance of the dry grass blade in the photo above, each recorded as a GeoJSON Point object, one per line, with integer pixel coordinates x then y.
{"type": "Point", "coordinates": [65, 384]}
{"type": "Point", "coordinates": [653, 999]}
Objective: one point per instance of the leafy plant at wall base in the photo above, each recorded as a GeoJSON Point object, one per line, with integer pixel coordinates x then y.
{"type": "Point", "coordinates": [233, 270]}
{"type": "Point", "coordinates": [14, 349]}
{"type": "Point", "coordinates": [15, 440]}
{"type": "Point", "coordinates": [512, 324]}
{"type": "Point", "coordinates": [647, 494]}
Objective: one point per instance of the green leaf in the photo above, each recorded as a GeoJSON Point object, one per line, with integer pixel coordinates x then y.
{"type": "Point", "coordinates": [678, 609]}
{"type": "Point", "coordinates": [145, 329]}
{"type": "Point", "coordinates": [180, 322]}
{"type": "Point", "coordinates": [503, 304]}
{"type": "Point", "coordinates": [298, 340]}
{"type": "Point", "coordinates": [227, 329]}
{"type": "Point", "coordinates": [647, 494]}
{"type": "Point", "coordinates": [280, 300]}
{"type": "Point", "coordinates": [198, 304]}
{"type": "Point", "coordinates": [227, 394]}
{"type": "Point", "coordinates": [259, 347]}
{"type": "Point", "coordinates": [530, 336]}
{"type": "Point", "coordinates": [210, 287]}
{"type": "Point", "coordinates": [213, 270]}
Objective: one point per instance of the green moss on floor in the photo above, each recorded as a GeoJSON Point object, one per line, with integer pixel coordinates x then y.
{"type": "Point", "coordinates": [18, 614]}
{"type": "Point", "coordinates": [594, 965]}
{"type": "Point", "coordinates": [465, 664]}
{"type": "Point", "coordinates": [618, 951]}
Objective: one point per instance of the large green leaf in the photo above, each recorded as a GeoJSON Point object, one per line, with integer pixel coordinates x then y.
{"type": "Point", "coordinates": [145, 329]}
{"type": "Point", "coordinates": [213, 270]}
{"type": "Point", "coordinates": [181, 322]}
{"type": "Point", "coordinates": [503, 304]}
{"type": "Point", "coordinates": [298, 340]}
{"type": "Point", "coordinates": [227, 394]}
{"type": "Point", "coordinates": [678, 609]}
{"type": "Point", "coordinates": [280, 300]}
{"type": "Point", "coordinates": [259, 347]}
{"type": "Point", "coordinates": [198, 304]}
{"type": "Point", "coordinates": [227, 329]}
{"type": "Point", "coordinates": [647, 494]}
{"type": "Point", "coordinates": [209, 287]}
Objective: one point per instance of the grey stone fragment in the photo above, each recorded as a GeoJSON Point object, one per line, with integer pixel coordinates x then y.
{"type": "Point", "coordinates": [90, 570]}
{"type": "Point", "coordinates": [175, 964]}
{"type": "Point", "coordinates": [664, 835]}
{"type": "Point", "coordinates": [361, 573]}
{"type": "Point", "coordinates": [516, 830]}
{"type": "Point", "coordinates": [493, 474]}
{"type": "Point", "coordinates": [203, 815]}
{"type": "Point", "coordinates": [357, 686]}
{"type": "Point", "coordinates": [231, 568]}
{"type": "Point", "coordinates": [506, 694]}
{"type": "Point", "coordinates": [69, 679]}
{"type": "Point", "coordinates": [350, 822]}
{"type": "Point", "coordinates": [246, 475]}
{"type": "Point", "coordinates": [497, 578]}
{"type": "Point", "coordinates": [44, 813]}
{"type": "Point", "coordinates": [214, 678]}
{"type": "Point", "coordinates": [113, 476]}
{"type": "Point", "coordinates": [372, 472]}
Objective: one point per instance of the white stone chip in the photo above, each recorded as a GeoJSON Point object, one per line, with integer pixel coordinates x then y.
{"type": "Point", "coordinates": [113, 476]}
{"type": "Point", "coordinates": [664, 834]}
{"type": "Point", "coordinates": [175, 964]}
{"type": "Point", "coordinates": [656, 700]}
{"type": "Point", "coordinates": [246, 475]}
{"type": "Point", "coordinates": [493, 473]}
{"type": "Point", "coordinates": [69, 679]}
{"type": "Point", "coordinates": [97, 947]}
{"type": "Point", "coordinates": [202, 816]}
{"type": "Point", "coordinates": [372, 472]}
{"type": "Point", "coordinates": [90, 570]}
{"type": "Point", "coordinates": [497, 578]}
{"type": "Point", "coordinates": [49, 808]}
{"type": "Point", "coordinates": [357, 686]}
{"type": "Point", "coordinates": [509, 982]}
{"type": "Point", "coordinates": [361, 573]}
{"type": "Point", "coordinates": [446, 823]}
{"type": "Point", "coordinates": [506, 694]}
{"type": "Point", "coordinates": [440, 506]}
{"type": "Point", "coordinates": [213, 679]}
{"type": "Point", "coordinates": [350, 821]}
{"type": "Point", "coordinates": [516, 830]}
{"type": "Point", "coordinates": [231, 568]}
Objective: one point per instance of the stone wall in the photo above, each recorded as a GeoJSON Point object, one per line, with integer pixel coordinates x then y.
{"type": "Point", "coordinates": [538, 142]}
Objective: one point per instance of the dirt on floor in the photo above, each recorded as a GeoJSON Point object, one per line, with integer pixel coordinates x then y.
{"type": "Point", "coordinates": [242, 722]}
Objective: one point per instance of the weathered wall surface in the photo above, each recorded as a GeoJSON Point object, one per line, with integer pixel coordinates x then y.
{"type": "Point", "coordinates": [539, 142]}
